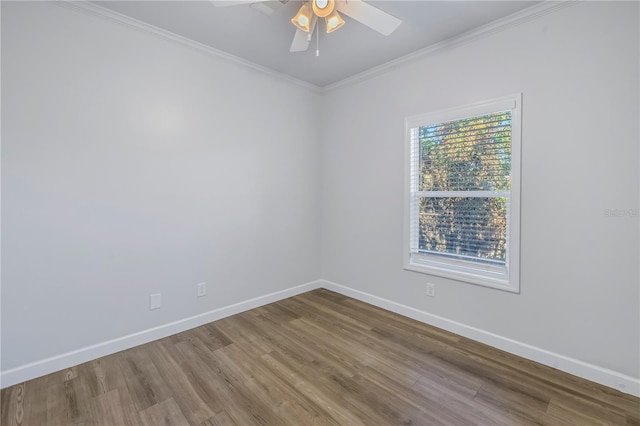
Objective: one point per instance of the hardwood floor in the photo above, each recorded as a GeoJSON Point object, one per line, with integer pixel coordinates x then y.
{"type": "Point", "coordinates": [317, 358]}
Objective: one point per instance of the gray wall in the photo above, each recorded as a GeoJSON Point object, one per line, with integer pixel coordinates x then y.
{"type": "Point", "coordinates": [133, 165]}
{"type": "Point", "coordinates": [578, 71]}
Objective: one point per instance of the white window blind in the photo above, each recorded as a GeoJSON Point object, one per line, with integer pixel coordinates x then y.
{"type": "Point", "coordinates": [461, 193]}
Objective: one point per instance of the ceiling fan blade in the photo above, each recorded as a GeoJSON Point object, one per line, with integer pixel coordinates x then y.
{"type": "Point", "coordinates": [225, 3]}
{"type": "Point", "coordinates": [369, 15]}
{"type": "Point", "coordinates": [301, 39]}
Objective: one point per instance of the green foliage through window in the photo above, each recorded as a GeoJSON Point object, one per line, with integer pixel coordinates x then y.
{"type": "Point", "coordinates": [464, 184]}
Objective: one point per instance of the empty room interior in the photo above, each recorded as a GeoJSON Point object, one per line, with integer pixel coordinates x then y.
{"type": "Point", "coordinates": [322, 212]}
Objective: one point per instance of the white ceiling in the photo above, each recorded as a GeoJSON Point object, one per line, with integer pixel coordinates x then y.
{"type": "Point", "coordinates": [249, 34]}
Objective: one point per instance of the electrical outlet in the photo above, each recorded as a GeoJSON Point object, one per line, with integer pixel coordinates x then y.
{"type": "Point", "coordinates": [202, 289]}
{"type": "Point", "coordinates": [155, 301]}
{"type": "Point", "coordinates": [431, 290]}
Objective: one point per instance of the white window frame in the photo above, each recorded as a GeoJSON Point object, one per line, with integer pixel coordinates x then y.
{"type": "Point", "coordinates": [504, 278]}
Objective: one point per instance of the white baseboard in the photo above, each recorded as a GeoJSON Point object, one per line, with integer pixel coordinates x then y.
{"type": "Point", "coordinates": [79, 356]}
{"type": "Point", "coordinates": [610, 378]}
{"type": "Point", "coordinates": [576, 367]}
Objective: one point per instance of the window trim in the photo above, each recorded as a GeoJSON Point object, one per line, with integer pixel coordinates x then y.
{"type": "Point", "coordinates": [460, 271]}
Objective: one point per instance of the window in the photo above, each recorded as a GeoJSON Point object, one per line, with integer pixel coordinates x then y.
{"type": "Point", "coordinates": [462, 202]}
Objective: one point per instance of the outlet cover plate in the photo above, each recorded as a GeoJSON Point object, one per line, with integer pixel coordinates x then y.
{"type": "Point", "coordinates": [155, 301]}
{"type": "Point", "coordinates": [202, 289]}
{"type": "Point", "coordinates": [431, 290]}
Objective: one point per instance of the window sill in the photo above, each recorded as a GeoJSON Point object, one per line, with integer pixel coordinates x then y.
{"type": "Point", "coordinates": [512, 286]}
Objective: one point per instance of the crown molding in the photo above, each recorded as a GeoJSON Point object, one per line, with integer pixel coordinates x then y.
{"type": "Point", "coordinates": [515, 19]}
{"type": "Point", "coordinates": [101, 12]}
{"type": "Point", "coordinates": [499, 25]}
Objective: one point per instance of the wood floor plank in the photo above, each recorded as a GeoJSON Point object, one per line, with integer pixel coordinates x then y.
{"type": "Point", "coordinates": [35, 407]}
{"type": "Point", "coordinates": [220, 419]}
{"type": "Point", "coordinates": [318, 358]}
{"type": "Point", "coordinates": [460, 407]}
{"type": "Point", "coordinates": [236, 399]}
{"type": "Point", "coordinates": [191, 404]}
{"type": "Point", "coordinates": [317, 311]}
{"type": "Point", "coordinates": [388, 326]}
{"type": "Point", "coordinates": [109, 410]}
{"type": "Point", "coordinates": [202, 382]}
{"type": "Point", "coordinates": [392, 354]}
{"type": "Point", "coordinates": [212, 337]}
{"type": "Point", "coordinates": [358, 398]}
{"type": "Point", "coordinates": [251, 343]}
{"type": "Point", "coordinates": [286, 342]}
{"type": "Point", "coordinates": [290, 403]}
{"type": "Point", "coordinates": [521, 404]}
{"type": "Point", "coordinates": [568, 410]}
{"type": "Point", "coordinates": [145, 385]}
{"type": "Point", "coordinates": [80, 404]}
{"type": "Point", "coordinates": [275, 313]}
{"type": "Point", "coordinates": [400, 362]}
{"type": "Point", "coordinates": [165, 413]}
{"type": "Point", "coordinates": [554, 383]}
{"type": "Point", "coordinates": [108, 373]}
{"type": "Point", "coordinates": [56, 405]}
{"type": "Point", "coordinates": [331, 402]}
{"type": "Point", "coordinates": [296, 341]}
{"type": "Point", "coordinates": [428, 408]}
{"type": "Point", "coordinates": [12, 405]}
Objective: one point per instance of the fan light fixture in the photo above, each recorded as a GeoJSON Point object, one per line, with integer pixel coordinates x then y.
{"type": "Point", "coordinates": [311, 11]}
{"type": "Point", "coordinates": [322, 9]}
{"type": "Point", "coordinates": [302, 18]}
{"type": "Point", "coordinates": [334, 21]}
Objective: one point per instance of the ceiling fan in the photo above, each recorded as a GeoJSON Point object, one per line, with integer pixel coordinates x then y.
{"type": "Point", "coordinates": [310, 11]}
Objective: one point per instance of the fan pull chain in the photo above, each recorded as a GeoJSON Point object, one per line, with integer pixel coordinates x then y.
{"type": "Point", "coordinates": [318, 41]}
